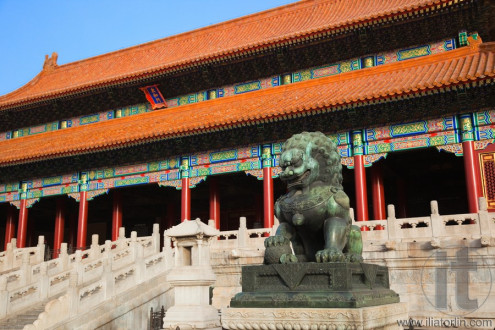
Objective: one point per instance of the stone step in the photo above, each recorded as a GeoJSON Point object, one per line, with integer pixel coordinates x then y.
{"type": "Point", "coordinates": [27, 317]}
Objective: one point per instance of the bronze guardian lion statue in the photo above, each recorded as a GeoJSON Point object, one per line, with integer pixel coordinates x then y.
{"type": "Point", "coordinates": [314, 213]}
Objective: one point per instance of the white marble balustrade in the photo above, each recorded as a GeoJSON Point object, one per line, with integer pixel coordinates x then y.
{"type": "Point", "coordinates": [31, 283]}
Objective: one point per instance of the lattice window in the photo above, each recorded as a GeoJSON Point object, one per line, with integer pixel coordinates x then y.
{"type": "Point", "coordinates": [488, 168]}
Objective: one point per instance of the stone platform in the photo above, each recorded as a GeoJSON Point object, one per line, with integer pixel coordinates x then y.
{"type": "Point", "coordinates": [314, 285]}
{"type": "Point", "coordinates": [375, 317]}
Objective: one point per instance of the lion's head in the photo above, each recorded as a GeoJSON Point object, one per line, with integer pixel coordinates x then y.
{"type": "Point", "coordinates": [310, 157]}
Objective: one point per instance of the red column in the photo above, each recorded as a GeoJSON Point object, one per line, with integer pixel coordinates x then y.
{"type": "Point", "coordinates": [360, 177]}
{"type": "Point", "coordinates": [215, 202]}
{"type": "Point", "coordinates": [22, 225]}
{"type": "Point", "coordinates": [378, 191]}
{"type": "Point", "coordinates": [268, 198]}
{"type": "Point", "coordinates": [361, 191]}
{"type": "Point", "coordinates": [82, 224]}
{"type": "Point", "coordinates": [9, 225]}
{"type": "Point", "coordinates": [185, 203]}
{"type": "Point", "coordinates": [58, 236]}
{"type": "Point", "coordinates": [72, 231]}
{"type": "Point", "coordinates": [116, 214]}
{"type": "Point", "coordinates": [470, 171]}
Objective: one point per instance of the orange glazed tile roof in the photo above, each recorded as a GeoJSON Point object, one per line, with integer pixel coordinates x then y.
{"type": "Point", "coordinates": [432, 72]}
{"type": "Point", "coordinates": [284, 24]}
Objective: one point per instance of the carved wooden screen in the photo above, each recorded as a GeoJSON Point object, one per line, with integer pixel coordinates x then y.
{"type": "Point", "coordinates": [488, 175]}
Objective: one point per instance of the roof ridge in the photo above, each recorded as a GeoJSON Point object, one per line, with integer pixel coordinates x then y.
{"type": "Point", "coordinates": [208, 43]}
{"type": "Point", "coordinates": [182, 34]}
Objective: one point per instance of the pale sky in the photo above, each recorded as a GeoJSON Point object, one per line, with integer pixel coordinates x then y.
{"type": "Point", "coordinates": [78, 29]}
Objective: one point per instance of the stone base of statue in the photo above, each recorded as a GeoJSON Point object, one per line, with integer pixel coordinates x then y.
{"type": "Point", "coordinates": [315, 285]}
{"type": "Point", "coordinates": [375, 317]}
{"type": "Point", "coordinates": [309, 295]}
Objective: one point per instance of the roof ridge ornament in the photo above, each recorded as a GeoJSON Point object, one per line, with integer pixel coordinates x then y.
{"type": "Point", "coordinates": [50, 62]}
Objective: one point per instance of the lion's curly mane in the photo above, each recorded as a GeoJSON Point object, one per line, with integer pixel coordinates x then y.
{"type": "Point", "coordinates": [322, 150]}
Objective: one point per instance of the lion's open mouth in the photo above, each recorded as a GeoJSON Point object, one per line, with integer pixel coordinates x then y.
{"type": "Point", "coordinates": [297, 181]}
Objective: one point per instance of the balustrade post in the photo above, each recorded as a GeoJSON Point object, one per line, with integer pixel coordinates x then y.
{"type": "Point", "coordinates": [78, 266]}
{"type": "Point", "coordinates": [140, 264]}
{"type": "Point", "coordinates": [133, 245]}
{"type": "Point", "coordinates": [242, 235]}
{"type": "Point", "coordinates": [121, 240]}
{"type": "Point", "coordinates": [73, 291]}
{"type": "Point", "coordinates": [63, 257]}
{"type": "Point", "coordinates": [40, 249]}
{"type": "Point", "coordinates": [9, 253]}
{"type": "Point", "coordinates": [44, 282]}
{"type": "Point", "coordinates": [107, 271]}
{"type": "Point", "coordinates": [487, 227]}
{"type": "Point", "coordinates": [108, 249]}
{"type": "Point", "coordinates": [4, 296]}
{"type": "Point", "coordinates": [391, 223]}
{"type": "Point", "coordinates": [155, 237]}
{"type": "Point", "coordinates": [26, 270]}
{"type": "Point", "coordinates": [436, 222]}
{"type": "Point", "coordinates": [94, 249]}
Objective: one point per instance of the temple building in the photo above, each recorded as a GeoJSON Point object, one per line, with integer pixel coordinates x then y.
{"type": "Point", "coordinates": [192, 125]}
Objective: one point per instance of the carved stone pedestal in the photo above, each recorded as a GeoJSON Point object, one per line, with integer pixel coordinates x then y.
{"type": "Point", "coordinates": [315, 285]}
{"type": "Point", "coordinates": [375, 317]}
{"type": "Point", "coordinates": [304, 296]}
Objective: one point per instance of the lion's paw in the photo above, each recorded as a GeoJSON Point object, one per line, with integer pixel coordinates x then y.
{"type": "Point", "coordinates": [276, 241]}
{"type": "Point", "coordinates": [275, 247]}
{"type": "Point", "coordinates": [288, 258]}
{"type": "Point", "coordinates": [354, 257]}
{"type": "Point", "coordinates": [330, 255]}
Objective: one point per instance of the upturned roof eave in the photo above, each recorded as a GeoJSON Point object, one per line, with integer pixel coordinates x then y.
{"type": "Point", "coordinates": [158, 70]}
{"type": "Point", "coordinates": [10, 157]}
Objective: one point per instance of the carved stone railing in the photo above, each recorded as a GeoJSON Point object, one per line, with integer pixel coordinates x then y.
{"type": "Point", "coordinates": [235, 241]}
{"type": "Point", "coordinates": [479, 225]}
{"type": "Point", "coordinates": [12, 257]}
{"type": "Point", "coordinates": [125, 258]}
{"type": "Point", "coordinates": [119, 266]}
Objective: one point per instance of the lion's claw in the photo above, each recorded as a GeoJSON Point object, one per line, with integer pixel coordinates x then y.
{"type": "Point", "coordinates": [330, 255]}
{"type": "Point", "coordinates": [288, 258]}
{"type": "Point", "coordinates": [276, 241]}
{"type": "Point", "coordinates": [354, 257]}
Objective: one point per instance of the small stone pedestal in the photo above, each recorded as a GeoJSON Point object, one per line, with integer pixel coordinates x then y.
{"type": "Point", "coordinates": [315, 296]}
{"type": "Point", "coordinates": [191, 278]}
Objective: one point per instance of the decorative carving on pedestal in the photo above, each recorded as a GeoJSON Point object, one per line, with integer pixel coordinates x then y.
{"type": "Point", "coordinates": [377, 317]}
{"type": "Point", "coordinates": [316, 285]}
